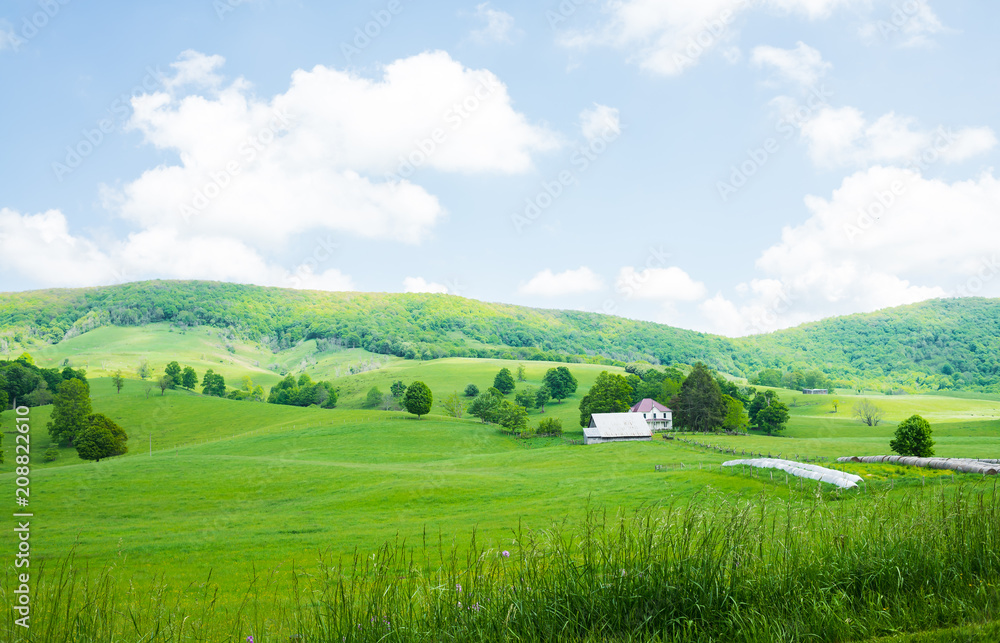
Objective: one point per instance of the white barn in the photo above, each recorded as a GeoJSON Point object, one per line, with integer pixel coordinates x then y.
{"type": "Point", "coordinates": [616, 427]}
{"type": "Point", "coordinates": [659, 417]}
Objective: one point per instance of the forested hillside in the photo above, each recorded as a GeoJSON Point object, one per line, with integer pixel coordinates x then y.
{"type": "Point", "coordinates": [943, 344]}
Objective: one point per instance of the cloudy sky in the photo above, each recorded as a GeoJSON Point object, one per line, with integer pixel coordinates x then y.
{"type": "Point", "coordinates": [730, 166]}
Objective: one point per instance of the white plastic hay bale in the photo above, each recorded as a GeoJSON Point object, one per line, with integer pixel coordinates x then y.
{"type": "Point", "coordinates": [801, 470]}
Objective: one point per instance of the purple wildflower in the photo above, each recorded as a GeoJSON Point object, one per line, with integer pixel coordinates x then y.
{"type": "Point", "coordinates": [505, 554]}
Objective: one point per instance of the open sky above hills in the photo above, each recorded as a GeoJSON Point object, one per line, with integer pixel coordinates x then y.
{"type": "Point", "coordinates": [724, 165]}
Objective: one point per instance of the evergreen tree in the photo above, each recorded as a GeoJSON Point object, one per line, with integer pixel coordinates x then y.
{"type": "Point", "coordinates": [699, 405]}
{"type": "Point", "coordinates": [398, 389]}
{"type": "Point", "coordinates": [71, 408]}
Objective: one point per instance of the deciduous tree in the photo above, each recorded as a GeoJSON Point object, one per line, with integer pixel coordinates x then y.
{"type": "Point", "coordinates": [374, 398]}
{"type": "Point", "coordinates": [101, 438]}
{"type": "Point", "coordinates": [526, 397]}
{"type": "Point", "coordinates": [173, 371]}
{"type": "Point", "coordinates": [561, 383]}
{"type": "Point", "coordinates": [504, 381]}
{"type": "Point", "coordinates": [913, 438]}
{"type": "Point", "coordinates": [118, 380]}
{"type": "Point", "coordinates": [189, 379]}
{"type": "Point", "coordinates": [610, 393]}
{"type": "Point", "coordinates": [453, 405]}
{"type": "Point", "coordinates": [418, 399]}
{"type": "Point", "coordinates": [868, 412]}
{"type": "Point", "coordinates": [542, 397]}
{"type": "Point", "coordinates": [471, 390]}
{"type": "Point", "coordinates": [213, 384]}
{"type": "Point", "coordinates": [70, 411]}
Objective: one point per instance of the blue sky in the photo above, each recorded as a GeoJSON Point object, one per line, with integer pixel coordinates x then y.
{"type": "Point", "coordinates": [730, 166]}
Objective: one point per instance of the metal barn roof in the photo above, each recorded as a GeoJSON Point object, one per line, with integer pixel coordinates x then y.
{"type": "Point", "coordinates": [617, 425]}
{"type": "Point", "coordinates": [647, 406]}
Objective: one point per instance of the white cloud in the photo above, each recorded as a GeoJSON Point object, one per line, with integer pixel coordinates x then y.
{"type": "Point", "coordinates": [665, 284]}
{"type": "Point", "coordinates": [802, 65]}
{"type": "Point", "coordinates": [886, 237]}
{"type": "Point", "coordinates": [8, 39]}
{"type": "Point", "coordinates": [498, 28]}
{"type": "Point", "coordinates": [60, 259]}
{"type": "Point", "coordinates": [419, 284]}
{"type": "Point", "coordinates": [839, 137]}
{"type": "Point", "coordinates": [910, 24]}
{"type": "Point", "coordinates": [600, 121]}
{"type": "Point", "coordinates": [155, 252]}
{"type": "Point", "coordinates": [570, 282]}
{"type": "Point", "coordinates": [195, 69]}
{"type": "Point", "coordinates": [670, 37]}
{"type": "Point", "coordinates": [333, 152]}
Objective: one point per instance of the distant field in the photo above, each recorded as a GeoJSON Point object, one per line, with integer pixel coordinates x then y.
{"type": "Point", "coordinates": [236, 486]}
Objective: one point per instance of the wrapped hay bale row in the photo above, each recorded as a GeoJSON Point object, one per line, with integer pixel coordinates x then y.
{"type": "Point", "coordinates": [961, 465]}
{"type": "Point", "coordinates": [800, 470]}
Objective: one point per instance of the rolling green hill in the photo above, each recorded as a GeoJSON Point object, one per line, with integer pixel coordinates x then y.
{"type": "Point", "coordinates": [935, 345]}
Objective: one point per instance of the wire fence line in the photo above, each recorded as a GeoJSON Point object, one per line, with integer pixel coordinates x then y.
{"type": "Point", "coordinates": [751, 454]}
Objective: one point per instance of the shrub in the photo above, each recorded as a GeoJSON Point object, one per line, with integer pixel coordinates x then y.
{"type": "Point", "coordinates": [550, 426]}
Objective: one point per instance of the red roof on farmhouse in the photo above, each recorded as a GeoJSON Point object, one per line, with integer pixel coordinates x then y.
{"type": "Point", "coordinates": [648, 405]}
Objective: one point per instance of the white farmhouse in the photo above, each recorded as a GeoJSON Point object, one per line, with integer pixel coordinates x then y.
{"type": "Point", "coordinates": [616, 427]}
{"type": "Point", "coordinates": [657, 416]}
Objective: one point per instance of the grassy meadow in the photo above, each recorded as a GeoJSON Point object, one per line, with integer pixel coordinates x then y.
{"type": "Point", "coordinates": [215, 493]}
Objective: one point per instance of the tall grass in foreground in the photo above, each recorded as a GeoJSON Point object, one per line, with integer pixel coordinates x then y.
{"type": "Point", "coordinates": [715, 570]}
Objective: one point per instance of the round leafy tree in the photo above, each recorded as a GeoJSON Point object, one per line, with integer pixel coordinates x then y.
{"type": "Point", "coordinates": [913, 438]}
{"type": "Point", "coordinates": [102, 438]}
{"type": "Point", "coordinates": [418, 399]}
{"type": "Point", "coordinates": [70, 410]}
{"type": "Point", "coordinates": [471, 390]}
{"type": "Point", "coordinates": [504, 381]}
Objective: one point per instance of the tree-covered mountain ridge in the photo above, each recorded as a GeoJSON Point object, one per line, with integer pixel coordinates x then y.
{"type": "Point", "coordinates": [938, 344]}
